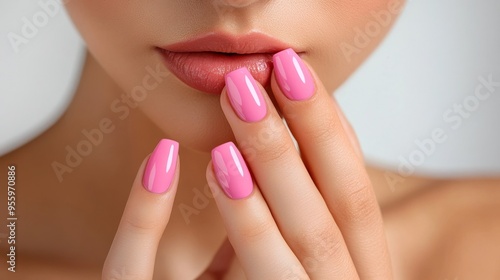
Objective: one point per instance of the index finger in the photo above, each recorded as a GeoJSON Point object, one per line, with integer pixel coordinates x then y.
{"type": "Point", "coordinates": [147, 212]}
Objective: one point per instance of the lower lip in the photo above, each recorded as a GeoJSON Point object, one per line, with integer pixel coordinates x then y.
{"type": "Point", "coordinates": [205, 71]}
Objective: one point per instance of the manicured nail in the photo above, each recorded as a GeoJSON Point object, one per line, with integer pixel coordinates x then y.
{"type": "Point", "coordinates": [231, 171]}
{"type": "Point", "coordinates": [245, 95]}
{"type": "Point", "coordinates": [292, 75]}
{"type": "Point", "coordinates": [160, 169]}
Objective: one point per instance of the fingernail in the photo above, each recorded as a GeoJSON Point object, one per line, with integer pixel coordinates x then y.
{"type": "Point", "coordinates": [160, 169]}
{"type": "Point", "coordinates": [245, 95]}
{"type": "Point", "coordinates": [293, 76]}
{"type": "Point", "coordinates": [231, 171]}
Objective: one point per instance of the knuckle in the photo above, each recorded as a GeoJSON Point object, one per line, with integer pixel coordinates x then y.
{"type": "Point", "coordinates": [274, 153]}
{"type": "Point", "coordinates": [361, 207]}
{"type": "Point", "coordinates": [319, 243]}
{"type": "Point", "coordinates": [325, 129]}
{"type": "Point", "coordinates": [255, 230]}
{"type": "Point", "coordinates": [275, 148]}
{"type": "Point", "coordinates": [268, 143]}
{"type": "Point", "coordinates": [139, 225]}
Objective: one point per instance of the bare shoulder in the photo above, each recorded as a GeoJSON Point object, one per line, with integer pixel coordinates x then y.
{"type": "Point", "coordinates": [486, 182]}
{"type": "Point", "coordinates": [479, 194]}
{"type": "Point", "coordinates": [470, 244]}
{"type": "Point", "coordinates": [449, 230]}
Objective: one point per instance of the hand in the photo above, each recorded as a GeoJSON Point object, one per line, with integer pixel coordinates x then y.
{"type": "Point", "coordinates": [308, 215]}
{"type": "Point", "coordinates": [147, 212]}
{"type": "Point", "coordinates": [291, 215]}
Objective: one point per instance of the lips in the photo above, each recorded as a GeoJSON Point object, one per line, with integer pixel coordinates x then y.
{"type": "Point", "coordinates": [202, 63]}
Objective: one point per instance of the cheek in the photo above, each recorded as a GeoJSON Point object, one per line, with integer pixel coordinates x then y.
{"type": "Point", "coordinates": [121, 36]}
{"type": "Point", "coordinates": [350, 31]}
{"type": "Point", "coordinates": [112, 33]}
{"type": "Point", "coordinates": [337, 35]}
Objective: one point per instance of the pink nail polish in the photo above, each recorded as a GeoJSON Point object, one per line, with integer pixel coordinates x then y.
{"type": "Point", "coordinates": [160, 169]}
{"type": "Point", "coordinates": [245, 95]}
{"type": "Point", "coordinates": [293, 76]}
{"type": "Point", "coordinates": [231, 171]}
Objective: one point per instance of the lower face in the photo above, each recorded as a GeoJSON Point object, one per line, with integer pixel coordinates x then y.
{"type": "Point", "coordinates": [170, 56]}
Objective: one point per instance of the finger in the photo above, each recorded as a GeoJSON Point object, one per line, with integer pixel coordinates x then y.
{"type": "Point", "coordinates": [295, 203]}
{"type": "Point", "coordinates": [346, 125]}
{"type": "Point", "coordinates": [224, 265]}
{"type": "Point", "coordinates": [220, 262]}
{"type": "Point", "coordinates": [257, 242]}
{"type": "Point", "coordinates": [333, 162]}
{"type": "Point", "coordinates": [235, 272]}
{"type": "Point", "coordinates": [147, 212]}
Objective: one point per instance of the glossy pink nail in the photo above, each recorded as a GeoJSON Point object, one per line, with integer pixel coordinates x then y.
{"type": "Point", "coordinates": [231, 171]}
{"type": "Point", "coordinates": [245, 95]}
{"type": "Point", "coordinates": [293, 76]}
{"type": "Point", "coordinates": [160, 169]}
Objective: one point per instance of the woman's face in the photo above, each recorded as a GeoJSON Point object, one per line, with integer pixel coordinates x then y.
{"type": "Point", "coordinates": [147, 47]}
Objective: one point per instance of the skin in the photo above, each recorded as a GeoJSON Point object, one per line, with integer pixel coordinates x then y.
{"type": "Point", "coordinates": [451, 225]}
{"type": "Point", "coordinates": [151, 25]}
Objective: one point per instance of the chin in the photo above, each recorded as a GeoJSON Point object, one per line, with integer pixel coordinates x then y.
{"type": "Point", "coordinates": [188, 116]}
{"type": "Point", "coordinates": [203, 141]}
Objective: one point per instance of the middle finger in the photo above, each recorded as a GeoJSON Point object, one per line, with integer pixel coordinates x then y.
{"type": "Point", "coordinates": [295, 202]}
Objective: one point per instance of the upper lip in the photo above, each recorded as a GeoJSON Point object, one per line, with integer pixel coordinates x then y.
{"type": "Point", "coordinates": [250, 43]}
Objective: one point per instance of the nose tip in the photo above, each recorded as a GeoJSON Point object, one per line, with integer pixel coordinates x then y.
{"type": "Point", "coordinates": [234, 3]}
